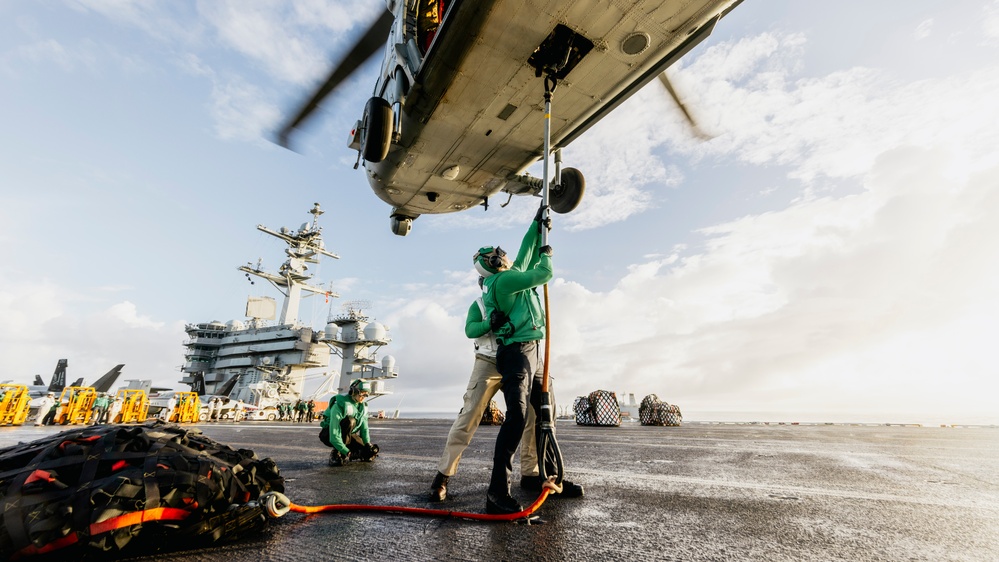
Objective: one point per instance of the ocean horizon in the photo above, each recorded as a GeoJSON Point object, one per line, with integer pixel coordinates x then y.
{"type": "Point", "coordinates": [693, 416]}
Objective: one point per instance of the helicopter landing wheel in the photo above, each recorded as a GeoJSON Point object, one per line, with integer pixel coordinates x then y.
{"type": "Point", "coordinates": [377, 127]}
{"type": "Point", "coordinates": [566, 196]}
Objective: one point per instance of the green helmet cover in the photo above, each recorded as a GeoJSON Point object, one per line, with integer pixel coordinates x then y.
{"type": "Point", "coordinates": [360, 385]}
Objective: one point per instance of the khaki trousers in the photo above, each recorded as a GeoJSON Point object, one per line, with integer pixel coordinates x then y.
{"type": "Point", "coordinates": [482, 386]}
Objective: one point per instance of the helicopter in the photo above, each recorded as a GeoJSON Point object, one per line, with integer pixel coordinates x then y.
{"type": "Point", "coordinates": [457, 113]}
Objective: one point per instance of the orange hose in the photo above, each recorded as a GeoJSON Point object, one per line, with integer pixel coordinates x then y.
{"type": "Point", "coordinates": [422, 511]}
{"type": "Point", "coordinates": [544, 379]}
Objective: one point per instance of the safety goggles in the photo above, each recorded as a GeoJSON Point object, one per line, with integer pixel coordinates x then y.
{"type": "Point", "coordinates": [490, 250]}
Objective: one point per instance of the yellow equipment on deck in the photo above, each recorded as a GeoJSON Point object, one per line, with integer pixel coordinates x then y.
{"type": "Point", "coordinates": [188, 408]}
{"type": "Point", "coordinates": [134, 406]}
{"type": "Point", "coordinates": [14, 404]}
{"type": "Point", "coordinates": [77, 405]}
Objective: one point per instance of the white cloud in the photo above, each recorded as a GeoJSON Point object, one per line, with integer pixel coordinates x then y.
{"type": "Point", "coordinates": [126, 313]}
{"type": "Point", "coordinates": [843, 302]}
{"type": "Point", "coordinates": [856, 296]}
{"type": "Point", "coordinates": [164, 21]}
{"type": "Point", "coordinates": [49, 51]}
{"type": "Point", "coordinates": [629, 174]}
{"type": "Point", "coordinates": [833, 126]}
{"type": "Point", "coordinates": [990, 21]}
{"type": "Point", "coordinates": [44, 321]}
{"type": "Point", "coordinates": [26, 308]}
{"type": "Point", "coordinates": [240, 111]}
{"type": "Point", "coordinates": [291, 41]}
{"type": "Point", "coordinates": [924, 29]}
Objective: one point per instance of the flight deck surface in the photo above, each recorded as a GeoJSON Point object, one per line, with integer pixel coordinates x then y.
{"type": "Point", "coordinates": [702, 491]}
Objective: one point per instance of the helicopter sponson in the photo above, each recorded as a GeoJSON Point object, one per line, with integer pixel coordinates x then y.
{"type": "Point", "coordinates": [114, 490]}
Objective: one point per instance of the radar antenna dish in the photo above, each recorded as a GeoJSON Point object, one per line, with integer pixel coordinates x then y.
{"type": "Point", "coordinates": [357, 306]}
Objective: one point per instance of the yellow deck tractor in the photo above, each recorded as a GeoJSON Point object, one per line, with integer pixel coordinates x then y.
{"type": "Point", "coordinates": [134, 406]}
{"type": "Point", "coordinates": [187, 409]}
{"type": "Point", "coordinates": [14, 404]}
{"type": "Point", "coordinates": [77, 405]}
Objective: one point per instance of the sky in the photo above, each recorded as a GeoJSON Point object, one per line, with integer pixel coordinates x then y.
{"type": "Point", "coordinates": [830, 254]}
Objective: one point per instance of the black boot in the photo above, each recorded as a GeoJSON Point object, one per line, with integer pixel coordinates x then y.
{"type": "Point", "coordinates": [501, 503]}
{"type": "Point", "coordinates": [438, 490]}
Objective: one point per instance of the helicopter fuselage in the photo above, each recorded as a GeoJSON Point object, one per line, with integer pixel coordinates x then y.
{"type": "Point", "coordinates": [468, 108]}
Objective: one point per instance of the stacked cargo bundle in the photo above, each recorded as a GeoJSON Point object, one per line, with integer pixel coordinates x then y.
{"type": "Point", "coordinates": [599, 408]}
{"type": "Point", "coordinates": [654, 411]}
{"type": "Point", "coordinates": [492, 415]}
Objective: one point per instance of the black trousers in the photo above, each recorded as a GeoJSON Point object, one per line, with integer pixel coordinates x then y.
{"type": "Point", "coordinates": [351, 440]}
{"type": "Point", "coordinates": [521, 366]}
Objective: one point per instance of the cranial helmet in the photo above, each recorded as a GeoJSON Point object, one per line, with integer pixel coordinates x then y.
{"type": "Point", "coordinates": [488, 260]}
{"type": "Point", "coordinates": [359, 386]}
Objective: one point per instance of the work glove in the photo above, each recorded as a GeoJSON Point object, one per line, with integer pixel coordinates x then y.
{"type": "Point", "coordinates": [541, 220]}
{"type": "Point", "coordinates": [497, 320]}
{"type": "Point", "coordinates": [366, 453]}
{"type": "Point", "coordinates": [545, 250]}
{"type": "Point", "coordinates": [337, 458]}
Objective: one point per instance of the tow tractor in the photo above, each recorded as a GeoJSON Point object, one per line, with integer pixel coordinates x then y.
{"type": "Point", "coordinates": [77, 405]}
{"type": "Point", "coordinates": [134, 406]}
{"type": "Point", "coordinates": [14, 404]}
{"type": "Point", "coordinates": [187, 409]}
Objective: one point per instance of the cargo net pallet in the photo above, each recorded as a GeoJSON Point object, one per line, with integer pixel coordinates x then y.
{"type": "Point", "coordinates": [654, 411]}
{"type": "Point", "coordinates": [115, 490]}
{"type": "Point", "coordinates": [600, 408]}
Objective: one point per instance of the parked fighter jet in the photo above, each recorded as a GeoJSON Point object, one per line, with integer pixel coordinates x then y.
{"type": "Point", "coordinates": [102, 384]}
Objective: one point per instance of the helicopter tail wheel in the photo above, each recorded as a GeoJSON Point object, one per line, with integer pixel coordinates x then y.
{"type": "Point", "coordinates": [401, 225]}
{"type": "Point", "coordinates": [377, 129]}
{"type": "Point", "coordinates": [566, 196]}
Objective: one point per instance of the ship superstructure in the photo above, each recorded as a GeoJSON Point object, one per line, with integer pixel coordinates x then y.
{"type": "Point", "coordinates": [357, 341]}
{"type": "Point", "coordinates": [266, 363]}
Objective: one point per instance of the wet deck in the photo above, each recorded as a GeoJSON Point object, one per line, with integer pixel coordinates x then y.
{"type": "Point", "coordinates": [697, 492]}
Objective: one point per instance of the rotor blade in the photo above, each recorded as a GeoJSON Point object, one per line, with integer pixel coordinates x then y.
{"type": "Point", "coordinates": [368, 44]}
{"type": "Point", "coordinates": [690, 118]}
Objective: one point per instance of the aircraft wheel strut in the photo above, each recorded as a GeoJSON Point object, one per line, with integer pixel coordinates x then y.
{"type": "Point", "coordinates": [566, 196]}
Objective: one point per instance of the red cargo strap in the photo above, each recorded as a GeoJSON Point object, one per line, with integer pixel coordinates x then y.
{"type": "Point", "coordinates": [139, 517]}
{"type": "Point", "coordinates": [126, 520]}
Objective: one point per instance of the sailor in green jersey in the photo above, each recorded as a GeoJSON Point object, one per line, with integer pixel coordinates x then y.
{"type": "Point", "coordinates": [345, 426]}
{"type": "Point", "coordinates": [100, 408]}
{"type": "Point", "coordinates": [518, 321]}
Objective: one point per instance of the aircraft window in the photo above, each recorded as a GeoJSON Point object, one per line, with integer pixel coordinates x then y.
{"type": "Point", "coordinates": [429, 14]}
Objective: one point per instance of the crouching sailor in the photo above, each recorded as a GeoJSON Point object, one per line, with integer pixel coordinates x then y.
{"type": "Point", "coordinates": [345, 426]}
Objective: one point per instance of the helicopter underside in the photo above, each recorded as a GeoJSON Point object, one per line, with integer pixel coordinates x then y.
{"type": "Point", "coordinates": [474, 120]}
